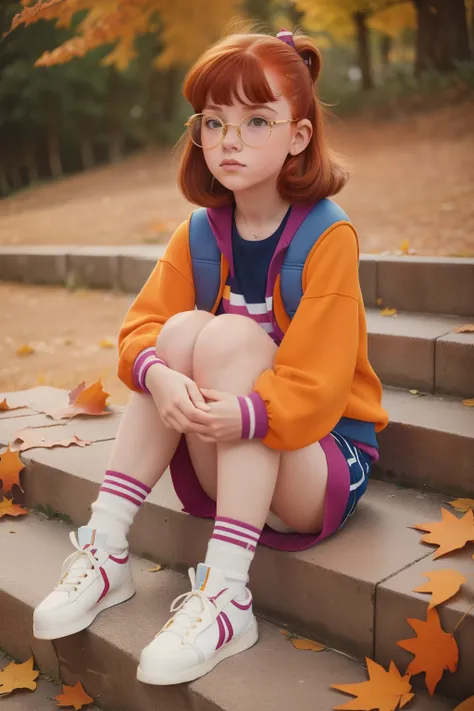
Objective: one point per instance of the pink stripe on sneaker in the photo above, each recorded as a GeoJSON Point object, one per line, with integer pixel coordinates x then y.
{"type": "Point", "coordinates": [252, 536]}
{"type": "Point", "coordinates": [222, 519]}
{"type": "Point", "coordinates": [229, 626]}
{"type": "Point", "coordinates": [108, 481]}
{"type": "Point", "coordinates": [106, 584]}
{"type": "Point", "coordinates": [241, 606]}
{"type": "Point", "coordinates": [137, 502]}
{"type": "Point", "coordinates": [235, 542]}
{"type": "Point", "coordinates": [130, 479]}
{"type": "Point", "coordinates": [121, 561]}
{"type": "Point", "coordinates": [220, 625]}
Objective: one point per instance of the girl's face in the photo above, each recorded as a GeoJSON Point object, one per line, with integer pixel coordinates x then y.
{"type": "Point", "coordinates": [258, 164]}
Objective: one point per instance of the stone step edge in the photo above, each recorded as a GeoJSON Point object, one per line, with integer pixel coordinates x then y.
{"type": "Point", "coordinates": [102, 633]}
{"type": "Point", "coordinates": [126, 268]}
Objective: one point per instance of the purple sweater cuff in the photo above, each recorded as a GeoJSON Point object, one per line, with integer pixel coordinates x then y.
{"type": "Point", "coordinates": [143, 361]}
{"type": "Point", "coordinates": [254, 416]}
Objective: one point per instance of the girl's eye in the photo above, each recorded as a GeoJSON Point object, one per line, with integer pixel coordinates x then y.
{"type": "Point", "coordinates": [212, 123]}
{"type": "Point", "coordinates": [258, 121]}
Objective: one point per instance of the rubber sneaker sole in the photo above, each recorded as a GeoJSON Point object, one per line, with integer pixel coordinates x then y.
{"type": "Point", "coordinates": [122, 594]}
{"type": "Point", "coordinates": [240, 644]}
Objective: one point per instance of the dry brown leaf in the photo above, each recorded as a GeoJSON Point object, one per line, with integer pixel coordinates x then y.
{"type": "Point", "coordinates": [379, 301]}
{"type": "Point", "coordinates": [8, 508]}
{"type": "Point", "coordinates": [25, 350]}
{"type": "Point", "coordinates": [83, 400]}
{"type": "Point", "coordinates": [434, 650]}
{"type": "Point", "coordinates": [467, 328]}
{"type": "Point", "coordinates": [388, 312]}
{"type": "Point", "coordinates": [32, 437]}
{"type": "Point", "coordinates": [468, 403]}
{"type": "Point", "coordinates": [155, 569]}
{"type": "Point", "coordinates": [74, 696]}
{"type": "Point", "coordinates": [302, 643]}
{"type": "Point", "coordinates": [18, 676]}
{"type": "Point", "coordinates": [384, 690]}
{"type": "Point", "coordinates": [10, 468]}
{"type": "Point", "coordinates": [450, 534]}
{"type": "Point", "coordinates": [107, 343]}
{"type": "Point", "coordinates": [4, 406]}
{"type": "Point", "coordinates": [405, 246]}
{"type": "Point", "coordinates": [443, 584]}
{"type": "Point", "coordinates": [466, 705]}
{"type": "Point", "coordinates": [462, 504]}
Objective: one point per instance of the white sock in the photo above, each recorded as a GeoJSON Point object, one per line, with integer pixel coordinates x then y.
{"type": "Point", "coordinates": [114, 511]}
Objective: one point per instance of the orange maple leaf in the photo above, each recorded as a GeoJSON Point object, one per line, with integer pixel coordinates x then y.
{"type": "Point", "coordinates": [450, 534]}
{"type": "Point", "coordinates": [434, 649]}
{"type": "Point", "coordinates": [462, 504]}
{"type": "Point", "coordinates": [18, 676]}
{"type": "Point", "coordinates": [467, 328]}
{"type": "Point", "coordinates": [8, 508]}
{"type": "Point", "coordinates": [74, 696]}
{"type": "Point", "coordinates": [384, 690]}
{"type": "Point", "coordinates": [443, 584]}
{"type": "Point", "coordinates": [4, 406]}
{"type": "Point", "coordinates": [31, 437]}
{"type": "Point", "coordinates": [10, 468]}
{"type": "Point", "coordinates": [466, 705]}
{"type": "Point", "coordinates": [82, 401]}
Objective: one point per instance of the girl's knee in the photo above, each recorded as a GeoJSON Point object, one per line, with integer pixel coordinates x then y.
{"type": "Point", "coordinates": [176, 340]}
{"type": "Point", "coordinates": [228, 336]}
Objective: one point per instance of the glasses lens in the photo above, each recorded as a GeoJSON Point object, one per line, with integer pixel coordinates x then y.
{"type": "Point", "coordinates": [205, 131]}
{"type": "Point", "coordinates": [255, 131]}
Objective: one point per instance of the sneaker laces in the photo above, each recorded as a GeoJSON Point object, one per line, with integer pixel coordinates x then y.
{"type": "Point", "coordinates": [189, 608]}
{"type": "Point", "coordinates": [75, 567]}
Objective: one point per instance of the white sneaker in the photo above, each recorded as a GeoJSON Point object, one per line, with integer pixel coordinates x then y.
{"type": "Point", "coordinates": [91, 581]}
{"type": "Point", "coordinates": [209, 626]}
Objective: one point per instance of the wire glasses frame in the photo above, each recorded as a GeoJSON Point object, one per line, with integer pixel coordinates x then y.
{"type": "Point", "coordinates": [192, 121]}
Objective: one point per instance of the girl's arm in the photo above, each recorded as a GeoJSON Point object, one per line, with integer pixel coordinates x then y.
{"type": "Point", "coordinates": [168, 290]}
{"type": "Point", "coordinates": [305, 394]}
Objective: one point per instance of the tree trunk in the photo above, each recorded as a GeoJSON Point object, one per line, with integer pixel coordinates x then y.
{"type": "Point", "coordinates": [30, 161]}
{"type": "Point", "coordinates": [363, 50]}
{"type": "Point", "coordinates": [460, 48]}
{"type": "Point", "coordinates": [4, 184]}
{"type": "Point", "coordinates": [54, 151]}
{"type": "Point", "coordinates": [385, 49]}
{"type": "Point", "coordinates": [87, 152]}
{"type": "Point", "coordinates": [442, 34]}
{"type": "Point", "coordinates": [426, 31]}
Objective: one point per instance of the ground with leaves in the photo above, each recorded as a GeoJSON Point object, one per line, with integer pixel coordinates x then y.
{"type": "Point", "coordinates": [412, 179]}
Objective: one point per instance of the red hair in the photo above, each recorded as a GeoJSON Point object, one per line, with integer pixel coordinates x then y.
{"type": "Point", "coordinates": [307, 177]}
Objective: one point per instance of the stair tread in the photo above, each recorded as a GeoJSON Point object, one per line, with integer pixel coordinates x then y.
{"type": "Point", "coordinates": [276, 675]}
{"type": "Point", "coordinates": [416, 325]}
{"type": "Point", "coordinates": [437, 412]}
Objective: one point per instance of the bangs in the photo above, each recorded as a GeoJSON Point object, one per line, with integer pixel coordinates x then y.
{"type": "Point", "coordinates": [222, 77]}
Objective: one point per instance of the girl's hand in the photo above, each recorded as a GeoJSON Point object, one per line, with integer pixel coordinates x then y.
{"type": "Point", "coordinates": [225, 418]}
{"type": "Point", "coordinates": [178, 400]}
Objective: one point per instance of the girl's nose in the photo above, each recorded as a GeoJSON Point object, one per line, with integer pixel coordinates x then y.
{"type": "Point", "coordinates": [231, 136]}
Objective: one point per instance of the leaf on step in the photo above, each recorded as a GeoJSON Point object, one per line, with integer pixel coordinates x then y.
{"type": "Point", "coordinates": [155, 569]}
{"type": "Point", "coordinates": [443, 584]}
{"type": "Point", "coordinates": [384, 690]}
{"type": "Point", "coordinates": [32, 437]}
{"type": "Point", "coordinates": [18, 676]}
{"type": "Point", "coordinates": [379, 301]}
{"type": "Point", "coordinates": [468, 403]}
{"type": "Point", "coordinates": [74, 696]}
{"type": "Point", "coordinates": [107, 343]}
{"type": "Point", "coordinates": [4, 406]}
{"type": "Point", "coordinates": [10, 468]}
{"type": "Point", "coordinates": [466, 705]}
{"type": "Point", "coordinates": [25, 350]}
{"type": "Point", "coordinates": [434, 650]}
{"type": "Point", "coordinates": [388, 312]}
{"type": "Point", "coordinates": [462, 504]}
{"type": "Point", "coordinates": [302, 643]}
{"type": "Point", "coordinates": [8, 508]}
{"type": "Point", "coordinates": [450, 534]}
{"type": "Point", "coordinates": [405, 246]}
{"type": "Point", "coordinates": [467, 328]}
{"type": "Point", "coordinates": [83, 400]}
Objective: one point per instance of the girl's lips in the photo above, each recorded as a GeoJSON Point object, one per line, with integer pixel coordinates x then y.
{"type": "Point", "coordinates": [231, 166]}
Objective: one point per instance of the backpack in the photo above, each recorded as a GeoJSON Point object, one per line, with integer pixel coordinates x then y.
{"type": "Point", "coordinates": [206, 255]}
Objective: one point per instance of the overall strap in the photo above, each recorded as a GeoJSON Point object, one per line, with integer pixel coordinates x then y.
{"type": "Point", "coordinates": [206, 260]}
{"type": "Point", "coordinates": [324, 214]}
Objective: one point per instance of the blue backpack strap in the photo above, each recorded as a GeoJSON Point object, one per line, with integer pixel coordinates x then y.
{"type": "Point", "coordinates": [324, 214]}
{"type": "Point", "coordinates": [206, 260]}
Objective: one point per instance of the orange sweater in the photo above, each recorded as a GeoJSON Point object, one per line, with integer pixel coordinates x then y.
{"type": "Point", "coordinates": [321, 377]}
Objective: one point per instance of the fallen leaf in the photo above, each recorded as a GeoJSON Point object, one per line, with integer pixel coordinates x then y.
{"type": "Point", "coordinates": [405, 246]}
{"type": "Point", "coordinates": [106, 343]}
{"type": "Point", "coordinates": [302, 643]}
{"type": "Point", "coordinates": [414, 392]}
{"type": "Point", "coordinates": [83, 400]}
{"type": "Point", "coordinates": [462, 504]}
{"type": "Point", "coordinates": [10, 468]}
{"type": "Point", "coordinates": [8, 508]}
{"type": "Point", "coordinates": [443, 584]}
{"type": "Point", "coordinates": [379, 301]}
{"type": "Point", "coordinates": [467, 328]}
{"type": "Point", "coordinates": [4, 406]}
{"type": "Point", "coordinates": [450, 534]}
{"type": "Point", "coordinates": [384, 690]}
{"type": "Point", "coordinates": [434, 650]}
{"type": "Point", "coordinates": [18, 676]}
{"type": "Point", "coordinates": [155, 569]}
{"type": "Point", "coordinates": [466, 705]}
{"type": "Point", "coordinates": [32, 437]}
{"type": "Point", "coordinates": [468, 403]}
{"type": "Point", "coordinates": [74, 696]}
{"type": "Point", "coordinates": [388, 312]}
{"type": "Point", "coordinates": [25, 350]}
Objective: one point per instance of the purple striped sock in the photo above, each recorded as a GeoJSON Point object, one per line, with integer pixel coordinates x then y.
{"type": "Point", "coordinates": [237, 533]}
{"type": "Point", "coordinates": [231, 549]}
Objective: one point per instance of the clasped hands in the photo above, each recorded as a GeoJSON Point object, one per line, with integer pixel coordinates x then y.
{"type": "Point", "coordinates": [182, 406]}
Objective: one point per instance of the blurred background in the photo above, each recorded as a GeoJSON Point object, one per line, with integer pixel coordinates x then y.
{"type": "Point", "coordinates": [91, 110]}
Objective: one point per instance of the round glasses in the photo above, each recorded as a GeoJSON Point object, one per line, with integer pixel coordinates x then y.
{"type": "Point", "coordinates": [208, 131]}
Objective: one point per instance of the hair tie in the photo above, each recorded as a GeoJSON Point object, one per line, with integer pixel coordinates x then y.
{"type": "Point", "coordinates": [287, 37]}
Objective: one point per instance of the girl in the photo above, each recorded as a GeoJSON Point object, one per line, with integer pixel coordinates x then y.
{"type": "Point", "coordinates": [269, 422]}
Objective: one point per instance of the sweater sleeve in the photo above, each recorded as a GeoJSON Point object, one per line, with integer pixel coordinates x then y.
{"type": "Point", "coordinates": [306, 392]}
{"type": "Point", "coordinates": [168, 290]}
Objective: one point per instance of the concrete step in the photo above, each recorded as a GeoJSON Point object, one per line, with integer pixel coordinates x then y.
{"type": "Point", "coordinates": [271, 675]}
{"type": "Point", "coordinates": [314, 591]}
{"type": "Point", "coordinates": [443, 285]}
{"type": "Point", "coordinates": [421, 351]}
